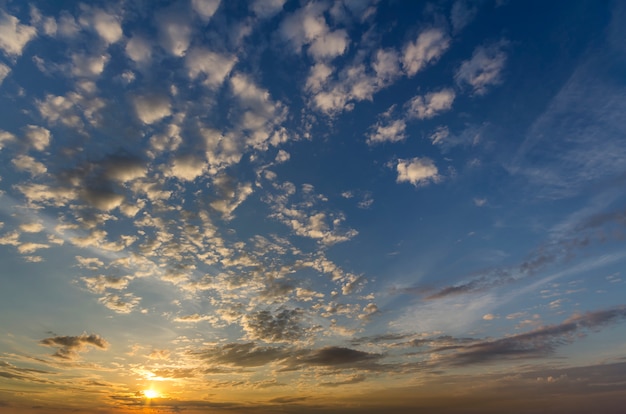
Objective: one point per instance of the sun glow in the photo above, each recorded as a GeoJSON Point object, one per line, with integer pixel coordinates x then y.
{"type": "Point", "coordinates": [151, 394]}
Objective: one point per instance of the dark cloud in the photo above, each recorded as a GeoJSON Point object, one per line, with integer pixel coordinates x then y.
{"type": "Point", "coordinates": [243, 355]}
{"type": "Point", "coordinates": [355, 379]}
{"type": "Point", "coordinates": [534, 344]}
{"type": "Point", "coordinates": [70, 346]}
{"type": "Point", "coordinates": [282, 326]}
{"type": "Point", "coordinates": [337, 356]}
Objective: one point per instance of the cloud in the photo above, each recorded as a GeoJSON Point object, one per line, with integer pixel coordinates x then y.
{"type": "Point", "coordinates": [4, 72]}
{"type": "Point", "coordinates": [151, 108]}
{"type": "Point", "coordinates": [37, 137]}
{"type": "Point", "coordinates": [243, 354]}
{"type": "Point", "coordinates": [120, 304]}
{"type": "Point", "coordinates": [484, 68]}
{"type": "Point", "coordinates": [205, 8]}
{"type": "Point", "coordinates": [393, 131]}
{"type": "Point", "coordinates": [537, 343]}
{"type": "Point", "coordinates": [462, 14]}
{"type": "Point", "coordinates": [187, 167]}
{"type": "Point", "coordinates": [174, 30]}
{"type": "Point", "coordinates": [281, 326]}
{"type": "Point", "coordinates": [431, 104]}
{"type": "Point", "coordinates": [336, 356]}
{"type": "Point", "coordinates": [13, 35]}
{"type": "Point", "coordinates": [69, 347]}
{"type": "Point", "coordinates": [139, 49]}
{"type": "Point", "coordinates": [427, 48]}
{"type": "Point", "coordinates": [267, 8]}
{"type": "Point", "coordinates": [417, 171]}
{"type": "Point", "coordinates": [107, 26]}
{"type": "Point", "coordinates": [29, 164]}
{"type": "Point", "coordinates": [215, 67]}
{"type": "Point", "coordinates": [88, 66]}
{"type": "Point", "coordinates": [101, 283]}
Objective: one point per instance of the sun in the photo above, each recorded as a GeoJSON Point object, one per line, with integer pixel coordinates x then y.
{"type": "Point", "coordinates": [151, 394]}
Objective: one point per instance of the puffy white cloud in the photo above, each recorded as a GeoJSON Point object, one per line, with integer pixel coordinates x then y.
{"type": "Point", "coordinates": [329, 45]}
{"type": "Point", "coordinates": [174, 31]}
{"type": "Point", "coordinates": [431, 104]}
{"type": "Point", "coordinates": [213, 66]}
{"type": "Point", "coordinates": [139, 49]}
{"type": "Point", "coordinates": [13, 35]}
{"type": "Point", "coordinates": [428, 47]}
{"type": "Point", "coordinates": [5, 137]}
{"type": "Point", "coordinates": [37, 137]}
{"type": "Point", "coordinates": [187, 167]}
{"type": "Point", "coordinates": [304, 25]}
{"type": "Point", "coordinates": [33, 227]}
{"type": "Point", "coordinates": [151, 108]}
{"type": "Point", "coordinates": [320, 73]}
{"type": "Point", "coordinates": [29, 164]}
{"type": "Point", "coordinates": [65, 109]}
{"type": "Point", "coordinates": [386, 64]}
{"type": "Point", "coordinates": [267, 8]}
{"type": "Point", "coordinates": [484, 68]}
{"type": "Point", "coordinates": [205, 8]}
{"type": "Point", "coordinates": [282, 156]}
{"type": "Point", "coordinates": [4, 72]}
{"type": "Point", "coordinates": [392, 131]}
{"type": "Point", "coordinates": [88, 66]}
{"type": "Point", "coordinates": [107, 26]}
{"type": "Point", "coordinates": [417, 171]}
{"type": "Point", "coordinates": [67, 26]}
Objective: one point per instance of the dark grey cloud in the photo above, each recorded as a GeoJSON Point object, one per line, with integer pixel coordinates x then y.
{"type": "Point", "coordinates": [70, 346]}
{"type": "Point", "coordinates": [243, 354]}
{"type": "Point", "coordinates": [338, 356]}
{"type": "Point", "coordinates": [281, 326]}
{"type": "Point", "coordinates": [537, 343]}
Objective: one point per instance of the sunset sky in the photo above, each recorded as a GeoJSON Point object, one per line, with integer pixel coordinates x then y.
{"type": "Point", "coordinates": [350, 206]}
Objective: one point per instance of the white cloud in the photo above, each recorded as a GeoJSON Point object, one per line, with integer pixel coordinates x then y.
{"type": "Point", "coordinates": [4, 72]}
{"type": "Point", "coordinates": [386, 64]}
{"type": "Point", "coordinates": [107, 26]}
{"type": "Point", "coordinates": [152, 108]}
{"type": "Point", "coordinates": [88, 66]}
{"type": "Point", "coordinates": [417, 171]}
{"type": "Point", "coordinates": [67, 26]}
{"type": "Point", "coordinates": [282, 156]}
{"type": "Point", "coordinates": [5, 137]}
{"type": "Point", "coordinates": [120, 304]}
{"type": "Point", "coordinates": [187, 167]}
{"type": "Point", "coordinates": [484, 68]}
{"type": "Point", "coordinates": [174, 31]}
{"type": "Point", "coordinates": [320, 73]}
{"type": "Point", "coordinates": [214, 66]}
{"type": "Point", "coordinates": [37, 137]}
{"type": "Point", "coordinates": [29, 164]}
{"type": "Point", "coordinates": [139, 49]}
{"type": "Point", "coordinates": [304, 25]}
{"type": "Point", "coordinates": [13, 35]}
{"type": "Point", "coordinates": [431, 104]}
{"type": "Point", "coordinates": [428, 47]}
{"type": "Point", "coordinates": [329, 45]}
{"type": "Point", "coordinates": [439, 135]}
{"type": "Point", "coordinates": [267, 8]}
{"type": "Point", "coordinates": [205, 8]}
{"type": "Point", "coordinates": [392, 131]}
{"type": "Point", "coordinates": [231, 197]}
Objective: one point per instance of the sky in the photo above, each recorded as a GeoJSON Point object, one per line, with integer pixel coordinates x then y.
{"type": "Point", "coordinates": [284, 206]}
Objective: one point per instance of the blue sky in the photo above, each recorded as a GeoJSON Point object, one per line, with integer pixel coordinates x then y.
{"type": "Point", "coordinates": [349, 206]}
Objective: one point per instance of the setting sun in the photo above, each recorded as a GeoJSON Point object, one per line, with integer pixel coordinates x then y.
{"type": "Point", "coordinates": [151, 394]}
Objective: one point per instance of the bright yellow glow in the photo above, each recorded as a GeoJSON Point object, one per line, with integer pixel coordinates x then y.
{"type": "Point", "coordinates": [151, 393]}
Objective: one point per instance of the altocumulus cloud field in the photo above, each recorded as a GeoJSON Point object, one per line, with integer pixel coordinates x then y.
{"type": "Point", "coordinates": [277, 206]}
